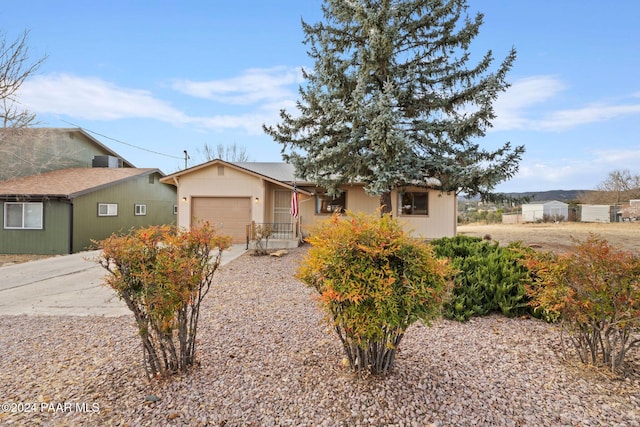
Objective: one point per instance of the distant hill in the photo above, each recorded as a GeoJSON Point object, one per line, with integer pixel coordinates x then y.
{"type": "Point", "coordinates": [540, 196]}
{"type": "Point", "coordinates": [559, 195]}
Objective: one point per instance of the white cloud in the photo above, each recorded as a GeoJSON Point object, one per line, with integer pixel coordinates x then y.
{"type": "Point", "coordinates": [618, 158]}
{"type": "Point", "coordinates": [253, 86]}
{"type": "Point", "coordinates": [567, 119]}
{"type": "Point", "coordinates": [583, 173]}
{"type": "Point", "coordinates": [93, 99]}
{"type": "Point", "coordinates": [90, 98]}
{"type": "Point", "coordinates": [518, 109]}
{"type": "Point", "coordinates": [512, 106]}
{"type": "Point", "coordinates": [251, 122]}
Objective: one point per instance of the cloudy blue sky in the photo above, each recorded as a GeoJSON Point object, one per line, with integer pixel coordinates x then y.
{"type": "Point", "coordinates": [168, 76]}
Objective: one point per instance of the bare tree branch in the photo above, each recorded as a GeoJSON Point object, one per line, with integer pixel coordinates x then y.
{"type": "Point", "coordinates": [15, 67]}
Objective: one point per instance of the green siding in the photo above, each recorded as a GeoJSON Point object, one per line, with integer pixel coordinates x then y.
{"type": "Point", "coordinates": [87, 225]}
{"type": "Point", "coordinates": [54, 149]}
{"type": "Point", "coordinates": [52, 239]}
{"type": "Point", "coordinates": [159, 199]}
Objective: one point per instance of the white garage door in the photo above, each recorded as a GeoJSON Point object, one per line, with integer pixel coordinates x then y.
{"type": "Point", "coordinates": [230, 215]}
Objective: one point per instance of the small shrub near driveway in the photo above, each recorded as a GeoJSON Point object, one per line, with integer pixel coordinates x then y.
{"type": "Point", "coordinates": [163, 274]}
{"type": "Point", "coordinates": [374, 281]}
{"type": "Point", "coordinates": [595, 292]}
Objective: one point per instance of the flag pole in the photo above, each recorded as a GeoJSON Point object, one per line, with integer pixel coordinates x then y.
{"type": "Point", "coordinates": [295, 209]}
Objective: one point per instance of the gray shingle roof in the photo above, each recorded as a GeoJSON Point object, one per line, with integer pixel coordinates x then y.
{"type": "Point", "coordinates": [280, 171]}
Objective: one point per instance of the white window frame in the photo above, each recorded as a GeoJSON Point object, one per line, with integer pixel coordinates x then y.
{"type": "Point", "coordinates": [112, 209]}
{"type": "Point", "coordinates": [139, 209]}
{"type": "Point", "coordinates": [39, 226]}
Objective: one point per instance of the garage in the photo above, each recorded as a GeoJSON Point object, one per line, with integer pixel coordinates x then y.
{"type": "Point", "coordinates": [230, 215]}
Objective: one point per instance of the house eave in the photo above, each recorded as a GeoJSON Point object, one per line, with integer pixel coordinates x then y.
{"type": "Point", "coordinates": [173, 178]}
{"type": "Point", "coordinates": [33, 197]}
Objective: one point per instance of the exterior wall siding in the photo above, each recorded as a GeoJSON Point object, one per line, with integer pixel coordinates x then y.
{"type": "Point", "coordinates": [159, 199]}
{"type": "Point", "coordinates": [532, 212]}
{"type": "Point", "coordinates": [224, 181]}
{"type": "Point", "coordinates": [57, 149]}
{"type": "Point", "coordinates": [595, 213]}
{"type": "Point", "coordinates": [52, 239]}
{"type": "Point", "coordinates": [208, 182]}
{"type": "Point", "coordinates": [440, 222]}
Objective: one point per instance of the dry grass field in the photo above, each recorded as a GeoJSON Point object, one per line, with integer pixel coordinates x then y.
{"type": "Point", "coordinates": [559, 237]}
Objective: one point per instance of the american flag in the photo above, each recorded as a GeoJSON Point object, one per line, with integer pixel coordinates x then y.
{"type": "Point", "coordinates": [294, 202]}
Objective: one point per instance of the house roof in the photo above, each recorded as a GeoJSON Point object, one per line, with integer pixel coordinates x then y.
{"type": "Point", "coordinates": [28, 133]}
{"type": "Point", "coordinates": [283, 173]}
{"type": "Point", "coordinates": [547, 202]}
{"type": "Point", "coordinates": [70, 183]}
{"type": "Point", "coordinates": [277, 172]}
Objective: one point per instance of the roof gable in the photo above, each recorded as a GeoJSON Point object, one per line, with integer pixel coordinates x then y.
{"type": "Point", "coordinates": [279, 173]}
{"type": "Point", "coordinates": [50, 149]}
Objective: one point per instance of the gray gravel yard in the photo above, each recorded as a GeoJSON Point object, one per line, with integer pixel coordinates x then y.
{"type": "Point", "coordinates": [268, 359]}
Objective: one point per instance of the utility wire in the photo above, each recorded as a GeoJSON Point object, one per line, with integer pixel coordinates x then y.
{"type": "Point", "coordinates": [122, 142]}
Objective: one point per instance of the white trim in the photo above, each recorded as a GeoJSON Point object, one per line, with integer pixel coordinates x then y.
{"type": "Point", "coordinates": [111, 209]}
{"type": "Point", "coordinates": [24, 212]}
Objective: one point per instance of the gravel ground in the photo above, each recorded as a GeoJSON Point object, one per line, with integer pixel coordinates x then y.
{"type": "Point", "coordinates": [267, 358]}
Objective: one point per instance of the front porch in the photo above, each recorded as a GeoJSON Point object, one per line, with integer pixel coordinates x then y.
{"type": "Point", "coordinates": [273, 235]}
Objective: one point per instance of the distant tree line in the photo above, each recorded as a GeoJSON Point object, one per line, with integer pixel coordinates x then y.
{"type": "Point", "coordinates": [619, 187]}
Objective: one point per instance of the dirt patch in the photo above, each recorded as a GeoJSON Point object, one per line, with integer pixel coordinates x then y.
{"type": "Point", "coordinates": [559, 237]}
{"type": "Point", "coordinates": [8, 259]}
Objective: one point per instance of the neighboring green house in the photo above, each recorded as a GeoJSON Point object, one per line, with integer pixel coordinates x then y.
{"type": "Point", "coordinates": [60, 188]}
{"type": "Point", "coordinates": [62, 211]}
{"type": "Point", "coordinates": [30, 151]}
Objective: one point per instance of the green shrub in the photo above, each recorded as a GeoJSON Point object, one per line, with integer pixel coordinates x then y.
{"type": "Point", "coordinates": [487, 277]}
{"type": "Point", "coordinates": [163, 275]}
{"type": "Point", "coordinates": [374, 281]}
{"type": "Point", "coordinates": [595, 291]}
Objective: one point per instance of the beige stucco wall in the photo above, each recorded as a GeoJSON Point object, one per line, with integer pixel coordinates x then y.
{"type": "Point", "coordinates": [442, 218]}
{"type": "Point", "coordinates": [441, 221]}
{"type": "Point", "coordinates": [206, 182]}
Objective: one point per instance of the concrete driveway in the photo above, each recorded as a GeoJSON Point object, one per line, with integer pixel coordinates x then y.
{"type": "Point", "coordinates": [67, 285]}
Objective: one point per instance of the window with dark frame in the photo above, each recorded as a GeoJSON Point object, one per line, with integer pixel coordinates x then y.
{"type": "Point", "coordinates": [326, 204]}
{"type": "Point", "coordinates": [414, 203]}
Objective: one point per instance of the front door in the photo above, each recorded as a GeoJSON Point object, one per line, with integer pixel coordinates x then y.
{"type": "Point", "coordinates": [283, 228]}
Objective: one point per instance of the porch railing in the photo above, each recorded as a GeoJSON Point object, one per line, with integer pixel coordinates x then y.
{"type": "Point", "coordinates": [271, 230]}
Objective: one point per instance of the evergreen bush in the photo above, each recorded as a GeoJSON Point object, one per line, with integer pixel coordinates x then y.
{"type": "Point", "coordinates": [487, 277]}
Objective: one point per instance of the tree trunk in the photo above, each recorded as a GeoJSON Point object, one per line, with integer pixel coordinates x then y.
{"type": "Point", "coordinates": [385, 203]}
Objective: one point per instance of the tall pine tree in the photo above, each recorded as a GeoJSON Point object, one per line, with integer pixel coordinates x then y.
{"type": "Point", "coordinates": [392, 101]}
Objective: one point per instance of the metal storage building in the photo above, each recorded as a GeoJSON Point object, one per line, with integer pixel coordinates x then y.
{"type": "Point", "coordinates": [595, 213]}
{"type": "Point", "coordinates": [541, 211]}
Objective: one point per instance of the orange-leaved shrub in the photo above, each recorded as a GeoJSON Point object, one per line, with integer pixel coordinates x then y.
{"type": "Point", "coordinates": [595, 293]}
{"type": "Point", "coordinates": [374, 281]}
{"type": "Point", "coordinates": [163, 274]}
